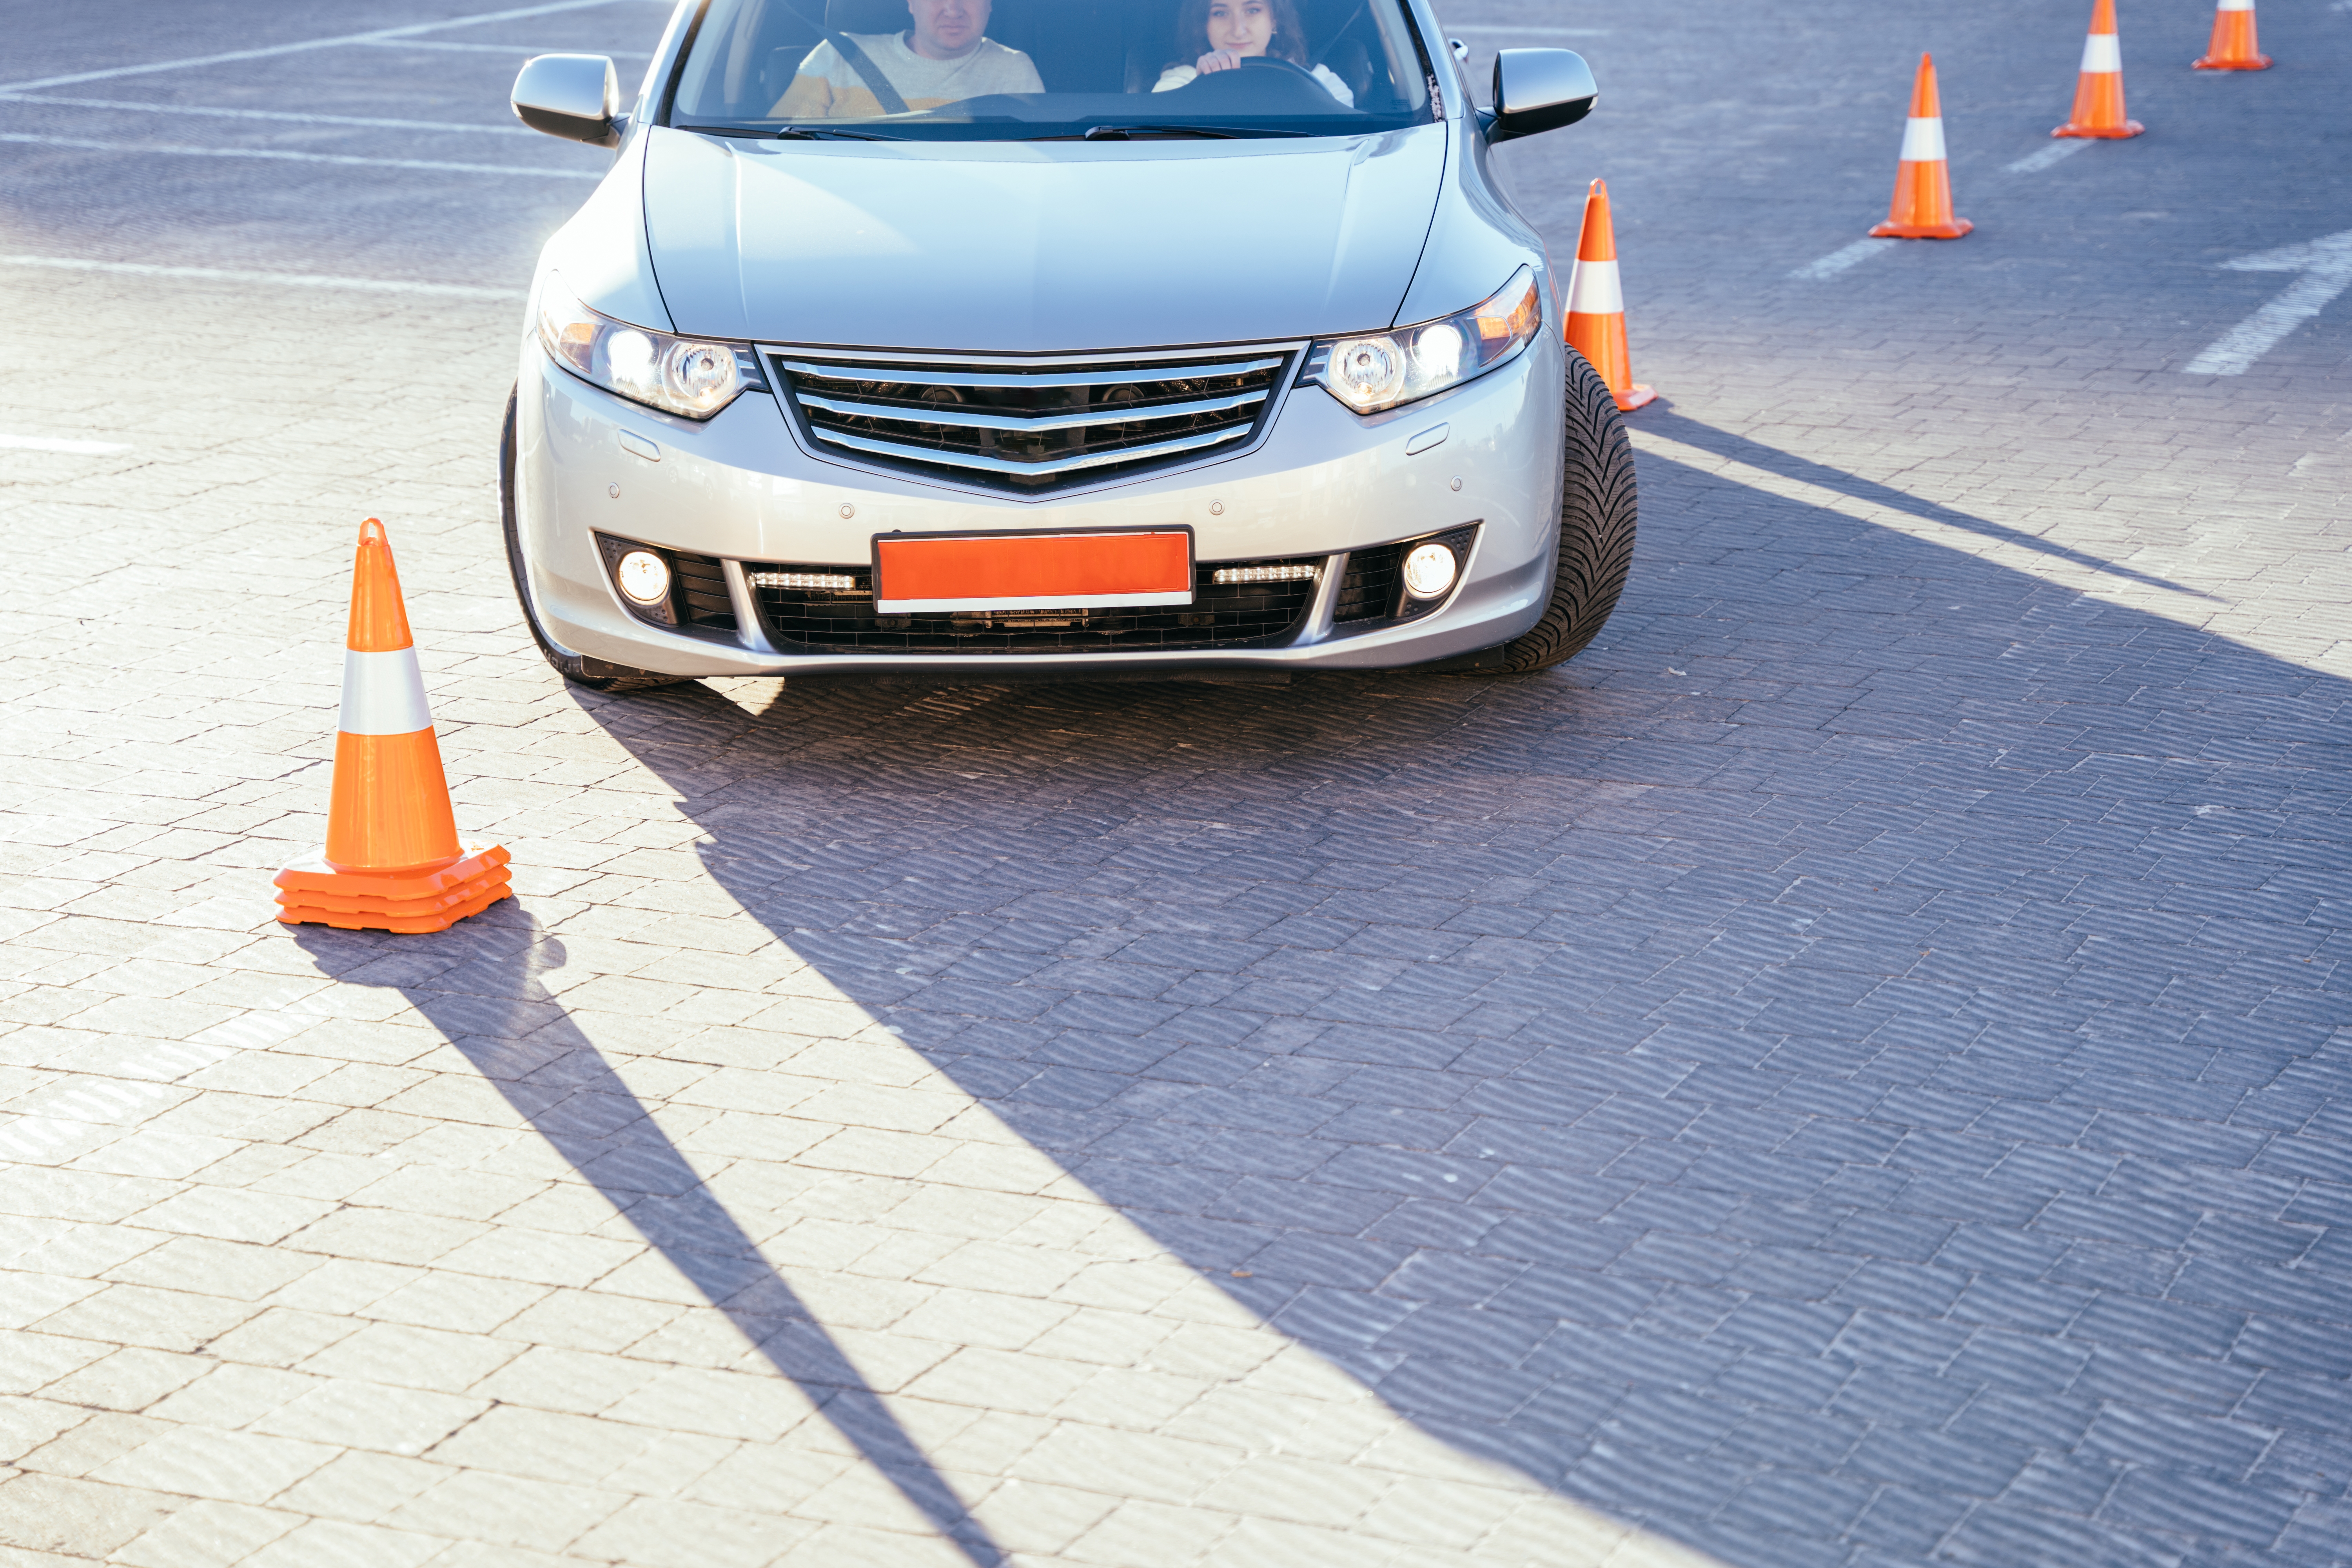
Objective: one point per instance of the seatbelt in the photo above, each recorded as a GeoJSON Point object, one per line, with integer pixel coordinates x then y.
{"type": "Point", "coordinates": [863, 63]}
{"type": "Point", "coordinates": [859, 61]}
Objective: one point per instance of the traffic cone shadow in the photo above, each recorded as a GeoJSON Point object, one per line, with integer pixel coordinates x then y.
{"type": "Point", "coordinates": [392, 861]}
{"type": "Point", "coordinates": [1922, 205]}
{"type": "Point", "coordinates": [2099, 89]}
{"type": "Point", "coordinates": [1596, 304]}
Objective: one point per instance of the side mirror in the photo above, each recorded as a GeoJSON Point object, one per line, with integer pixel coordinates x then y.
{"type": "Point", "coordinates": [577, 97]}
{"type": "Point", "coordinates": [1538, 90]}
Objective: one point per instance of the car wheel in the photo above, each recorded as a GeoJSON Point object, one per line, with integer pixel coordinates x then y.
{"type": "Point", "coordinates": [1596, 533]}
{"type": "Point", "coordinates": [595, 674]}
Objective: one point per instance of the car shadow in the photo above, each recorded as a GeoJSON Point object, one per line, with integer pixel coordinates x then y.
{"type": "Point", "coordinates": [1826, 1075]}
{"type": "Point", "coordinates": [1774, 1080]}
{"type": "Point", "coordinates": [479, 984]}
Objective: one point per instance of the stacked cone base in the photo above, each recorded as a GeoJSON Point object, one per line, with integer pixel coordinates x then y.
{"type": "Point", "coordinates": [316, 892]}
{"type": "Point", "coordinates": [2102, 132]}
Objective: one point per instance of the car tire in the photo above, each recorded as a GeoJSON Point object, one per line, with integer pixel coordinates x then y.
{"type": "Point", "coordinates": [595, 674]}
{"type": "Point", "coordinates": [1597, 508]}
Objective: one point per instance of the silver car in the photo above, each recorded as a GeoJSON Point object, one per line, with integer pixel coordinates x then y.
{"type": "Point", "coordinates": [1062, 337]}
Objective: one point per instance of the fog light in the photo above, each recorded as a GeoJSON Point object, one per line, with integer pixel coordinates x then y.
{"type": "Point", "coordinates": [1429, 571]}
{"type": "Point", "coordinates": [643, 577]}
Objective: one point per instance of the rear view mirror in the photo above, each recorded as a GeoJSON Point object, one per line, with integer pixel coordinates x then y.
{"type": "Point", "coordinates": [577, 97]}
{"type": "Point", "coordinates": [1539, 89]}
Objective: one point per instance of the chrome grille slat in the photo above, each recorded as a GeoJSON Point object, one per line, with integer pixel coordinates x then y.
{"type": "Point", "coordinates": [917, 374]}
{"type": "Point", "coordinates": [972, 419]}
{"type": "Point", "coordinates": [1029, 425]}
{"type": "Point", "coordinates": [1045, 469]}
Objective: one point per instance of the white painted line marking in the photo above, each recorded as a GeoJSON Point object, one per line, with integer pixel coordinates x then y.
{"type": "Point", "coordinates": [1837, 262]}
{"type": "Point", "coordinates": [504, 48]}
{"type": "Point", "coordinates": [273, 50]}
{"type": "Point", "coordinates": [2056, 152]}
{"type": "Point", "coordinates": [279, 156]}
{"type": "Point", "coordinates": [1518, 32]}
{"type": "Point", "coordinates": [273, 114]}
{"type": "Point", "coordinates": [59, 444]}
{"type": "Point", "coordinates": [269, 279]}
{"type": "Point", "coordinates": [2327, 268]}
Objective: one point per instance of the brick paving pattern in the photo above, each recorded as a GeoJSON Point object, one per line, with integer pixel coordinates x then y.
{"type": "Point", "coordinates": [1854, 1069]}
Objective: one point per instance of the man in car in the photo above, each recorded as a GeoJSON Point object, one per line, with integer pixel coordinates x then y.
{"type": "Point", "coordinates": [945, 57]}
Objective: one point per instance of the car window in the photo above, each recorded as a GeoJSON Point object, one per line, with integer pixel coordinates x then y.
{"type": "Point", "coordinates": [1022, 69]}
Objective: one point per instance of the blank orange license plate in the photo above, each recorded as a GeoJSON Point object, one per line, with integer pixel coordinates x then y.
{"type": "Point", "coordinates": [932, 573]}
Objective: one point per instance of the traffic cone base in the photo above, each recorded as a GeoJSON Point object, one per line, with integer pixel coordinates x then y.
{"type": "Point", "coordinates": [319, 880]}
{"type": "Point", "coordinates": [315, 892]}
{"type": "Point", "coordinates": [2099, 87]}
{"type": "Point", "coordinates": [2233, 46]}
{"type": "Point", "coordinates": [392, 860]}
{"type": "Point", "coordinates": [405, 925]}
{"type": "Point", "coordinates": [1596, 305]}
{"type": "Point", "coordinates": [1952, 230]}
{"type": "Point", "coordinates": [1922, 205]}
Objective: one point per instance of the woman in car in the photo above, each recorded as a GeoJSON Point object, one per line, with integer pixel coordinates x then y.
{"type": "Point", "coordinates": [1235, 30]}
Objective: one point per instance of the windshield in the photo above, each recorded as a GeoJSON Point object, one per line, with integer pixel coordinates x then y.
{"type": "Point", "coordinates": [1031, 70]}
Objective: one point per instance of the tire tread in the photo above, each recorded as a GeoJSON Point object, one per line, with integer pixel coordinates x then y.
{"type": "Point", "coordinates": [1598, 507]}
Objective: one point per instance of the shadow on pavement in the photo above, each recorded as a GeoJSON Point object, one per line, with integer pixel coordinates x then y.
{"type": "Point", "coordinates": [1837, 1073]}
{"type": "Point", "coordinates": [492, 1007]}
{"type": "Point", "coordinates": [1788, 465]}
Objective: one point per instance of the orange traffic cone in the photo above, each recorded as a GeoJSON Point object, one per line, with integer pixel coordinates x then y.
{"type": "Point", "coordinates": [1922, 207]}
{"type": "Point", "coordinates": [392, 860]}
{"type": "Point", "coordinates": [2099, 92]}
{"type": "Point", "coordinates": [1596, 303]}
{"type": "Point", "coordinates": [2233, 47]}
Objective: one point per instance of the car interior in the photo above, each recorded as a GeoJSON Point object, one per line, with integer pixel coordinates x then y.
{"type": "Point", "coordinates": [1079, 46]}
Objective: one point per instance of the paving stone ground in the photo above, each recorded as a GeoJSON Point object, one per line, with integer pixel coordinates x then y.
{"type": "Point", "coordinates": [1856, 1069]}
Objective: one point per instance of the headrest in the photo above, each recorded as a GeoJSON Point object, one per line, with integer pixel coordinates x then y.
{"type": "Point", "coordinates": [867, 16]}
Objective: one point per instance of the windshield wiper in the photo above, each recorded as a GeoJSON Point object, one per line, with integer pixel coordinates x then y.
{"type": "Point", "coordinates": [829, 134]}
{"type": "Point", "coordinates": [1125, 133]}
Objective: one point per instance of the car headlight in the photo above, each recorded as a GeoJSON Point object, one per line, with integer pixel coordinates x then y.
{"type": "Point", "coordinates": [678, 376]}
{"type": "Point", "coordinates": [1380, 370]}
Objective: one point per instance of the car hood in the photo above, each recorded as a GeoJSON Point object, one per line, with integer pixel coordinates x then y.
{"type": "Point", "coordinates": [1038, 247]}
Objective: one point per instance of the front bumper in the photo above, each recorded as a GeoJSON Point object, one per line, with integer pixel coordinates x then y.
{"type": "Point", "coordinates": [745, 487]}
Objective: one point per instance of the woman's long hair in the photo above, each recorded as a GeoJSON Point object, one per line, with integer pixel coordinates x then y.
{"type": "Point", "coordinates": [1289, 43]}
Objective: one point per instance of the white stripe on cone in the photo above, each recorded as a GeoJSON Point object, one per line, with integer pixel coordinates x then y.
{"type": "Point", "coordinates": [2102, 53]}
{"type": "Point", "coordinates": [2236, 5]}
{"type": "Point", "coordinates": [1593, 290]}
{"type": "Point", "coordinates": [1923, 140]}
{"type": "Point", "coordinates": [384, 694]}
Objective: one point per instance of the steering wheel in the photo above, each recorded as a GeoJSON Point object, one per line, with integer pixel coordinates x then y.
{"type": "Point", "coordinates": [1266, 86]}
{"type": "Point", "coordinates": [1273, 62]}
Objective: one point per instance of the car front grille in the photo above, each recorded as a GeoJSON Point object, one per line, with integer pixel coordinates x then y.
{"type": "Point", "coordinates": [1031, 425]}
{"type": "Point", "coordinates": [830, 609]}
